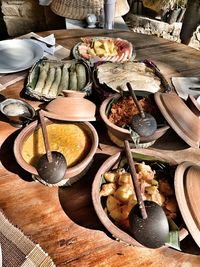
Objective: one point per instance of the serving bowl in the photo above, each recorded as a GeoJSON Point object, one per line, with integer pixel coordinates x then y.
{"type": "Point", "coordinates": [73, 172]}
{"type": "Point", "coordinates": [118, 134]}
{"type": "Point", "coordinates": [17, 111]}
{"type": "Point", "coordinates": [48, 78]}
{"type": "Point", "coordinates": [99, 202]}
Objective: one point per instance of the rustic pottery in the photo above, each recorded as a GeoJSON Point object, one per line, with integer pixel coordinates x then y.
{"type": "Point", "coordinates": [67, 107]}
{"type": "Point", "coordinates": [116, 232]}
{"type": "Point", "coordinates": [118, 134]}
{"type": "Point", "coordinates": [180, 117]}
{"type": "Point", "coordinates": [73, 173]}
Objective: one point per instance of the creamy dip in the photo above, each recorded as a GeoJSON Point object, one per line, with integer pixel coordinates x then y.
{"type": "Point", "coordinates": [15, 109]}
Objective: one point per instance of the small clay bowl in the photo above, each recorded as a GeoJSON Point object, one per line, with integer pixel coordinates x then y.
{"type": "Point", "coordinates": [118, 233]}
{"type": "Point", "coordinates": [73, 173]}
{"type": "Point", "coordinates": [118, 134]}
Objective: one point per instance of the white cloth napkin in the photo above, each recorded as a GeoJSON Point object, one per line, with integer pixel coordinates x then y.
{"type": "Point", "coordinates": [187, 86]}
{"type": "Point", "coordinates": [48, 40]}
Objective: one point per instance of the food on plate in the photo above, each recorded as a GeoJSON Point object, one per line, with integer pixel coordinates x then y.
{"type": "Point", "coordinates": [81, 76]}
{"type": "Point", "coordinates": [73, 78]}
{"type": "Point", "coordinates": [53, 80]}
{"type": "Point", "coordinates": [49, 78]}
{"type": "Point", "coordinates": [105, 49]}
{"type": "Point", "coordinates": [64, 78]}
{"type": "Point", "coordinates": [123, 109]}
{"type": "Point", "coordinates": [53, 91]}
{"type": "Point", "coordinates": [67, 138]}
{"type": "Point", "coordinates": [44, 72]}
{"type": "Point", "coordinates": [116, 75]}
{"type": "Point", "coordinates": [120, 194]}
{"type": "Point", "coordinates": [49, 81]}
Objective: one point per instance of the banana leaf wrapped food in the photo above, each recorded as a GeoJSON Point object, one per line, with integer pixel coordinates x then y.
{"type": "Point", "coordinates": [49, 78]}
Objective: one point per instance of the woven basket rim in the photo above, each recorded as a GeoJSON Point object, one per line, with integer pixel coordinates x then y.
{"type": "Point", "coordinates": [76, 9]}
{"type": "Point", "coordinates": [79, 9]}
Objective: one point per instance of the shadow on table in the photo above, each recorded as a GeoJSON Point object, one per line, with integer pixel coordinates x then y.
{"type": "Point", "coordinates": [76, 200]}
{"type": "Point", "coordinates": [170, 141]}
{"type": "Point", "coordinates": [8, 160]}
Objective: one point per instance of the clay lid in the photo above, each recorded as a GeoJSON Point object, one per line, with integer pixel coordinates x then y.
{"type": "Point", "coordinates": [187, 184]}
{"type": "Point", "coordinates": [71, 107]}
{"type": "Point", "coordinates": [193, 104]}
{"type": "Point", "coordinates": [179, 116]}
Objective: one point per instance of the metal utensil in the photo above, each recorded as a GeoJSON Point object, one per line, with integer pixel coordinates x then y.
{"type": "Point", "coordinates": [143, 123]}
{"type": "Point", "coordinates": [148, 222]}
{"type": "Point", "coordinates": [51, 166]}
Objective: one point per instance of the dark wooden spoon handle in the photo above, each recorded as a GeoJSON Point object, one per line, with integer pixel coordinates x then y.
{"type": "Point", "coordinates": [45, 136]}
{"type": "Point", "coordinates": [134, 179]}
{"type": "Point", "coordinates": [139, 107]}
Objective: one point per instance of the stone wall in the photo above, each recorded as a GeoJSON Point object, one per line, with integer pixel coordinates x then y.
{"type": "Point", "coordinates": [21, 17]}
{"type": "Point", "coordinates": [142, 24]}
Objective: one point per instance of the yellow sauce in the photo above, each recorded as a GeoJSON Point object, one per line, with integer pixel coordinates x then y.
{"type": "Point", "coordinates": [69, 139]}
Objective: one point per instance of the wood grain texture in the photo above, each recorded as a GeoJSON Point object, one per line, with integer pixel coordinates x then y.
{"type": "Point", "coordinates": [63, 220]}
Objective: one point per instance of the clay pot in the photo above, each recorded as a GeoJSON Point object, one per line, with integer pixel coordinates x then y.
{"type": "Point", "coordinates": [118, 134]}
{"type": "Point", "coordinates": [117, 233]}
{"type": "Point", "coordinates": [72, 173]}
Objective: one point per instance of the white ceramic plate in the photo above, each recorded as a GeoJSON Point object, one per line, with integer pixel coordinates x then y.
{"type": "Point", "coordinates": [17, 55]}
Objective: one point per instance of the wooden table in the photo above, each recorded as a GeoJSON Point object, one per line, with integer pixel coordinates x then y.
{"type": "Point", "coordinates": [62, 220]}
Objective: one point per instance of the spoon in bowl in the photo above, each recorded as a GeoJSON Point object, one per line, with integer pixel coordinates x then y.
{"type": "Point", "coordinates": [51, 166]}
{"type": "Point", "coordinates": [148, 222]}
{"type": "Point", "coordinates": [143, 123]}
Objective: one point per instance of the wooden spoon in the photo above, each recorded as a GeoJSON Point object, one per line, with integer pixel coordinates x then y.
{"type": "Point", "coordinates": [51, 166]}
{"type": "Point", "coordinates": [148, 222]}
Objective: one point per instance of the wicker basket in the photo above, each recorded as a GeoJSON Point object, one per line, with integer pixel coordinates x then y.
{"type": "Point", "coordinates": [78, 9]}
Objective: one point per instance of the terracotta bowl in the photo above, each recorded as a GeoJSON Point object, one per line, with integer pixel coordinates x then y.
{"type": "Point", "coordinates": [116, 232]}
{"type": "Point", "coordinates": [118, 134]}
{"type": "Point", "coordinates": [72, 173]}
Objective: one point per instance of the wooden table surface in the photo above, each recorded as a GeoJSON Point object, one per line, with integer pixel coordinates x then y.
{"type": "Point", "coordinates": [62, 220]}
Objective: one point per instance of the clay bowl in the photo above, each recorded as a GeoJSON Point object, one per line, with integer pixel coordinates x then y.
{"type": "Point", "coordinates": [118, 134]}
{"type": "Point", "coordinates": [99, 203]}
{"type": "Point", "coordinates": [73, 173]}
